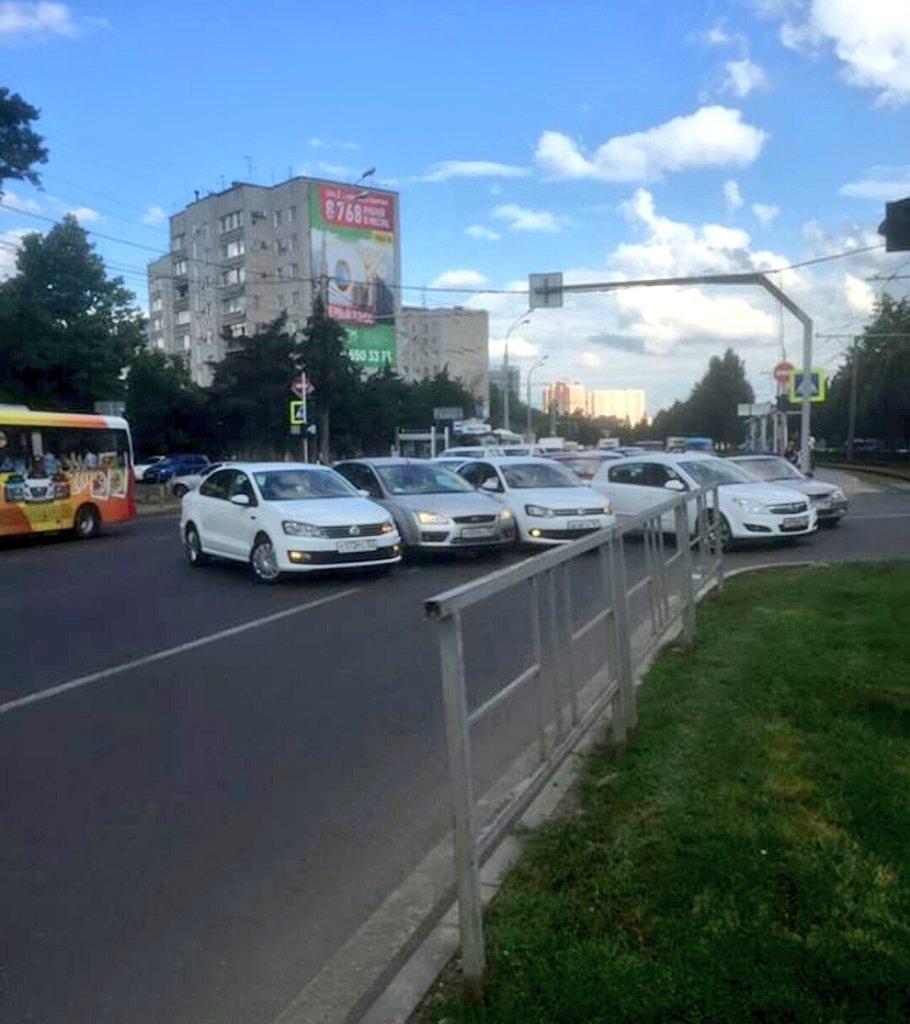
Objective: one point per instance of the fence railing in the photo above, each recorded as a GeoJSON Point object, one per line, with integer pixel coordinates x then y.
{"type": "Point", "coordinates": [579, 621]}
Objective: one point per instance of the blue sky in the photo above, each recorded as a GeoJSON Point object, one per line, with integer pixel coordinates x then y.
{"type": "Point", "coordinates": [606, 140]}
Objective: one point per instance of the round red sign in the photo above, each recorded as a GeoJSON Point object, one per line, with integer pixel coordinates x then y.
{"type": "Point", "coordinates": [782, 372]}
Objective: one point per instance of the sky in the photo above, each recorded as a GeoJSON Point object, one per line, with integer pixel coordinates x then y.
{"type": "Point", "coordinates": [608, 141]}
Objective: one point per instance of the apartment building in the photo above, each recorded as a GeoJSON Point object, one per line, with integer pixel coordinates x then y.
{"type": "Point", "coordinates": [566, 397]}
{"type": "Point", "coordinates": [626, 404]}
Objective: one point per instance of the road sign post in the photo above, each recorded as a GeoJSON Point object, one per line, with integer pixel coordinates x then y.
{"type": "Point", "coordinates": [545, 291]}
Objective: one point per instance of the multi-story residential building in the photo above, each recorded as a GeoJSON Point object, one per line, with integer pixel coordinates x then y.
{"type": "Point", "coordinates": [565, 397]}
{"type": "Point", "coordinates": [242, 257]}
{"type": "Point", "coordinates": [626, 404]}
{"type": "Point", "coordinates": [453, 338]}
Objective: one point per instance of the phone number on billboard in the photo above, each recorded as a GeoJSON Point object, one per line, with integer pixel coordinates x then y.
{"type": "Point", "coordinates": [370, 355]}
{"type": "Point", "coordinates": [340, 211]}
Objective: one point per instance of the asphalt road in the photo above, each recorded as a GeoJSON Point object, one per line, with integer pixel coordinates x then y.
{"type": "Point", "coordinates": [189, 837]}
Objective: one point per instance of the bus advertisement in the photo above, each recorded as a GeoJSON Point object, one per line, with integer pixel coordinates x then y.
{"type": "Point", "coordinates": [63, 471]}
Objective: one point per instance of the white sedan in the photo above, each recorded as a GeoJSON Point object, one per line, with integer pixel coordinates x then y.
{"type": "Point", "coordinates": [285, 517]}
{"type": "Point", "coordinates": [749, 510]}
{"type": "Point", "coordinates": [550, 504]}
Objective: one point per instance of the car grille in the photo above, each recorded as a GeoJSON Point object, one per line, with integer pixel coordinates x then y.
{"type": "Point", "coordinates": [475, 519]}
{"type": "Point", "coordinates": [341, 557]}
{"type": "Point", "coordinates": [368, 530]}
{"type": "Point", "coordinates": [562, 534]}
{"type": "Point", "coordinates": [789, 510]}
{"type": "Point", "coordinates": [597, 511]}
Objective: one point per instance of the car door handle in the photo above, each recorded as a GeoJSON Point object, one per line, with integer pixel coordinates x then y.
{"type": "Point", "coordinates": [252, 516]}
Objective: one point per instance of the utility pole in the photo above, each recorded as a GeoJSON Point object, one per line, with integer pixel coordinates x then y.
{"type": "Point", "coordinates": [851, 415]}
{"type": "Point", "coordinates": [523, 319]}
{"type": "Point", "coordinates": [531, 369]}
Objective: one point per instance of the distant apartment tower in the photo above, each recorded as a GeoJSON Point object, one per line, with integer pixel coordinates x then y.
{"type": "Point", "coordinates": [242, 257]}
{"type": "Point", "coordinates": [452, 338]}
{"type": "Point", "coordinates": [498, 377]}
{"type": "Point", "coordinates": [566, 397]}
{"type": "Point", "coordinates": [626, 404]}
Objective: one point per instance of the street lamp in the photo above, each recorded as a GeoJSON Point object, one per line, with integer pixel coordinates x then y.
{"type": "Point", "coordinates": [523, 318]}
{"type": "Point", "coordinates": [531, 369]}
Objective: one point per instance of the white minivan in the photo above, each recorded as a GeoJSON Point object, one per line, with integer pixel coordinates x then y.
{"type": "Point", "coordinates": [749, 510]}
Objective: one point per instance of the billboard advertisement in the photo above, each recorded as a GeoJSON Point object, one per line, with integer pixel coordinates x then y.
{"type": "Point", "coordinates": [352, 234]}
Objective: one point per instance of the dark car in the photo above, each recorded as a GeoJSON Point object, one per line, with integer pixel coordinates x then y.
{"type": "Point", "coordinates": [174, 465]}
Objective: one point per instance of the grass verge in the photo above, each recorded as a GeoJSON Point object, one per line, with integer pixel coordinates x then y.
{"type": "Point", "coordinates": [749, 859]}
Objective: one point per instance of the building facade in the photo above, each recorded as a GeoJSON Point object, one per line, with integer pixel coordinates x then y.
{"type": "Point", "coordinates": [498, 377]}
{"type": "Point", "coordinates": [565, 397]}
{"type": "Point", "coordinates": [626, 404]}
{"type": "Point", "coordinates": [452, 338]}
{"type": "Point", "coordinates": [245, 256]}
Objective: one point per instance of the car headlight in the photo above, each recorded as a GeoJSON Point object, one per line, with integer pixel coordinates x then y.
{"type": "Point", "coordinates": [505, 515]}
{"type": "Point", "coordinates": [298, 529]}
{"type": "Point", "coordinates": [539, 510]}
{"type": "Point", "coordinates": [608, 510]}
{"type": "Point", "coordinates": [387, 527]}
{"type": "Point", "coordinates": [755, 508]}
{"type": "Point", "coordinates": [838, 495]}
{"type": "Point", "coordinates": [432, 519]}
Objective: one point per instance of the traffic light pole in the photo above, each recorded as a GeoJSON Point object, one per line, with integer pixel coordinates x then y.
{"type": "Point", "coordinates": [540, 297]}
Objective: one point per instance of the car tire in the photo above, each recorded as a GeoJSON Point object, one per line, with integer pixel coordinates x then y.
{"type": "Point", "coordinates": [724, 532]}
{"type": "Point", "coordinates": [264, 562]}
{"type": "Point", "coordinates": [192, 547]}
{"type": "Point", "coordinates": [178, 490]}
{"type": "Point", "coordinates": [86, 522]}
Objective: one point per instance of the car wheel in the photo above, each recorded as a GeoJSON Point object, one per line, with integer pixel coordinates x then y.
{"type": "Point", "coordinates": [179, 490]}
{"type": "Point", "coordinates": [724, 533]}
{"type": "Point", "coordinates": [192, 547]}
{"type": "Point", "coordinates": [87, 523]}
{"type": "Point", "coordinates": [264, 561]}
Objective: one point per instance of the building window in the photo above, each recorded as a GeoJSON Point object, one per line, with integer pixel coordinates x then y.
{"type": "Point", "coordinates": [292, 214]}
{"type": "Point", "coordinates": [159, 343]}
{"type": "Point", "coordinates": [156, 325]}
{"type": "Point", "coordinates": [231, 221]}
{"type": "Point", "coordinates": [295, 300]}
{"type": "Point", "coordinates": [235, 305]}
{"type": "Point", "coordinates": [234, 249]}
{"type": "Point", "coordinates": [293, 270]}
{"type": "Point", "coordinates": [177, 242]}
{"type": "Point", "coordinates": [282, 301]}
{"type": "Point", "coordinates": [156, 304]}
{"type": "Point", "coordinates": [293, 242]}
{"type": "Point", "coordinates": [183, 317]}
{"type": "Point", "coordinates": [179, 267]}
{"type": "Point", "coordinates": [236, 275]}
{"type": "Point", "coordinates": [187, 344]}
{"type": "Point", "coordinates": [277, 218]}
{"type": "Point", "coordinates": [282, 245]}
{"type": "Point", "coordinates": [237, 330]}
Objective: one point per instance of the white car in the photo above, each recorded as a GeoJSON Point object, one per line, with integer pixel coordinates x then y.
{"type": "Point", "coordinates": [139, 468]}
{"type": "Point", "coordinates": [285, 517]}
{"type": "Point", "coordinates": [467, 452]}
{"type": "Point", "coordinates": [550, 504]}
{"type": "Point", "coordinates": [828, 500]}
{"type": "Point", "coordinates": [749, 510]}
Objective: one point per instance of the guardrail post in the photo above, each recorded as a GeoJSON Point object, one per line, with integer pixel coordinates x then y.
{"type": "Point", "coordinates": [617, 712]}
{"type": "Point", "coordinates": [623, 635]}
{"type": "Point", "coordinates": [718, 546]}
{"type": "Point", "coordinates": [539, 658]}
{"type": "Point", "coordinates": [467, 871]}
{"type": "Point", "coordinates": [552, 640]}
{"type": "Point", "coordinates": [688, 589]}
{"type": "Point", "coordinates": [567, 645]}
{"type": "Point", "coordinates": [705, 546]}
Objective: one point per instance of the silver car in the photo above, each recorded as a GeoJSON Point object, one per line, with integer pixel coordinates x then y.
{"type": "Point", "coordinates": [433, 508]}
{"type": "Point", "coordinates": [828, 500]}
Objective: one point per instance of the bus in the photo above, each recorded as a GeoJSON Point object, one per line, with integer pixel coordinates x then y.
{"type": "Point", "coordinates": [64, 471]}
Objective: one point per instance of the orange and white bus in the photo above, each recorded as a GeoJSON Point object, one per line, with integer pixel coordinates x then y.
{"type": "Point", "coordinates": [64, 471]}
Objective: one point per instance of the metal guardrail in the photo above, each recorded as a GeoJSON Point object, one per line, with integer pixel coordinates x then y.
{"type": "Point", "coordinates": [631, 620]}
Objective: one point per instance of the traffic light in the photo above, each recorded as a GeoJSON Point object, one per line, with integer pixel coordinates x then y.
{"type": "Point", "coordinates": [896, 226]}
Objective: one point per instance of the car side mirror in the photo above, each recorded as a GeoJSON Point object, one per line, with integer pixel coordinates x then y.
{"type": "Point", "coordinates": [240, 500]}
{"type": "Point", "coordinates": [363, 492]}
{"type": "Point", "coordinates": [674, 485]}
{"type": "Point", "coordinates": [490, 484]}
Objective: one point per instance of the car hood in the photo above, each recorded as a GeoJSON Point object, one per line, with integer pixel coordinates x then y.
{"type": "Point", "coordinates": [768, 494]}
{"type": "Point", "coordinates": [331, 511]}
{"type": "Point", "coordinates": [814, 488]}
{"type": "Point", "coordinates": [558, 497]}
{"type": "Point", "coordinates": [466, 503]}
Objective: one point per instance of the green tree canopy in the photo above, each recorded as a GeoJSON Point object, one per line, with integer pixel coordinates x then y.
{"type": "Point", "coordinates": [166, 410]}
{"type": "Point", "coordinates": [20, 146]}
{"type": "Point", "coordinates": [66, 330]}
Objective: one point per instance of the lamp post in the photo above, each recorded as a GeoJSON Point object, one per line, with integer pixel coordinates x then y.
{"type": "Point", "coordinates": [531, 369]}
{"type": "Point", "coordinates": [523, 318]}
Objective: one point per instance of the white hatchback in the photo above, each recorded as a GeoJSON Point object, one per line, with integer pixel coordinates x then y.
{"type": "Point", "coordinates": [550, 504]}
{"type": "Point", "coordinates": [284, 517]}
{"type": "Point", "coordinates": [749, 510]}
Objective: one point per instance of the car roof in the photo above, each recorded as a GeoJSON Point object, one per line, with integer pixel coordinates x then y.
{"type": "Point", "coordinates": [385, 460]}
{"type": "Point", "coordinates": [666, 457]}
{"type": "Point", "coordinates": [755, 455]}
{"type": "Point", "coordinates": [513, 460]}
{"type": "Point", "coordinates": [261, 467]}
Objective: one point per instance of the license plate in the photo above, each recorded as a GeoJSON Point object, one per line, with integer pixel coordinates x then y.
{"type": "Point", "coordinates": [583, 524]}
{"type": "Point", "coordinates": [476, 532]}
{"type": "Point", "coordinates": [348, 547]}
{"type": "Point", "coordinates": [795, 523]}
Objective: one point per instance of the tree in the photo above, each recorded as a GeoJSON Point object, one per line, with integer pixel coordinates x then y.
{"type": "Point", "coordinates": [166, 410]}
{"type": "Point", "coordinates": [328, 366]}
{"type": "Point", "coordinates": [20, 145]}
{"type": "Point", "coordinates": [66, 330]}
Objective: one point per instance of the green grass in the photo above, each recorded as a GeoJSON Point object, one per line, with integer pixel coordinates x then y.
{"type": "Point", "coordinates": [749, 859]}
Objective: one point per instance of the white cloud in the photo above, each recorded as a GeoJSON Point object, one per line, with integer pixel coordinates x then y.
{"type": "Point", "coordinates": [871, 39]}
{"type": "Point", "coordinates": [484, 233]}
{"type": "Point", "coordinates": [18, 203]}
{"type": "Point", "coordinates": [459, 279]}
{"type": "Point", "coordinates": [23, 21]}
{"type": "Point", "coordinates": [84, 214]}
{"type": "Point", "coordinates": [154, 216]}
{"type": "Point", "coordinates": [9, 246]}
{"type": "Point", "coordinates": [519, 347]}
{"type": "Point", "coordinates": [744, 77]}
{"type": "Point", "coordinates": [732, 195]}
{"type": "Point", "coordinates": [317, 143]}
{"type": "Point", "coordinates": [765, 212]}
{"type": "Point", "coordinates": [520, 218]}
{"type": "Point", "coordinates": [589, 359]}
{"type": "Point", "coordinates": [448, 169]}
{"type": "Point", "coordinates": [860, 297]}
{"type": "Point", "coordinates": [714, 136]}
{"type": "Point", "coordinates": [882, 184]}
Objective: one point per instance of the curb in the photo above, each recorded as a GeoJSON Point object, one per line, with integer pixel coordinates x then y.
{"type": "Point", "coordinates": [142, 512]}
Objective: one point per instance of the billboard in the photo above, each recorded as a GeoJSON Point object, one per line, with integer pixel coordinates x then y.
{"type": "Point", "coordinates": [352, 234]}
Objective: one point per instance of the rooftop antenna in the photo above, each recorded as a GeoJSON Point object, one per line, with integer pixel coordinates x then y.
{"type": "Point", "coordinates": [221, 179]}
{"type": "Point", "coordinates": [249, 167]}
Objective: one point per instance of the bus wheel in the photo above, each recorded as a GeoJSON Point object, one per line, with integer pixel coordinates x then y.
{"type": "Point", "coordinates": [87, 523]}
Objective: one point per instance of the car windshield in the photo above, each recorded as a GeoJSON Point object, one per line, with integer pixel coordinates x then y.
{"type": "Point", "coordinates": [716, 471]}
{"type": "Point", "coordinates": [411, 478]}
{"type": "Point", "coordinates": [302, 484]}
{"type": "Point", "coordinates": [536, 474]}
{"type": "Point", "coordinates": [771, 469]}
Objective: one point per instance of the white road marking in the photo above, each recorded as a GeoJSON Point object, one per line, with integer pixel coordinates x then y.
{"type": "Point", "coordinates": [168, 652]}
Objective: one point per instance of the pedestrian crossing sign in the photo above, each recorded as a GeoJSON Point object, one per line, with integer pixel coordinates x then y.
{"type": "Point", "coordinates": [298, 413]}
{"type": "Point", "coordinates": [812, 387]}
